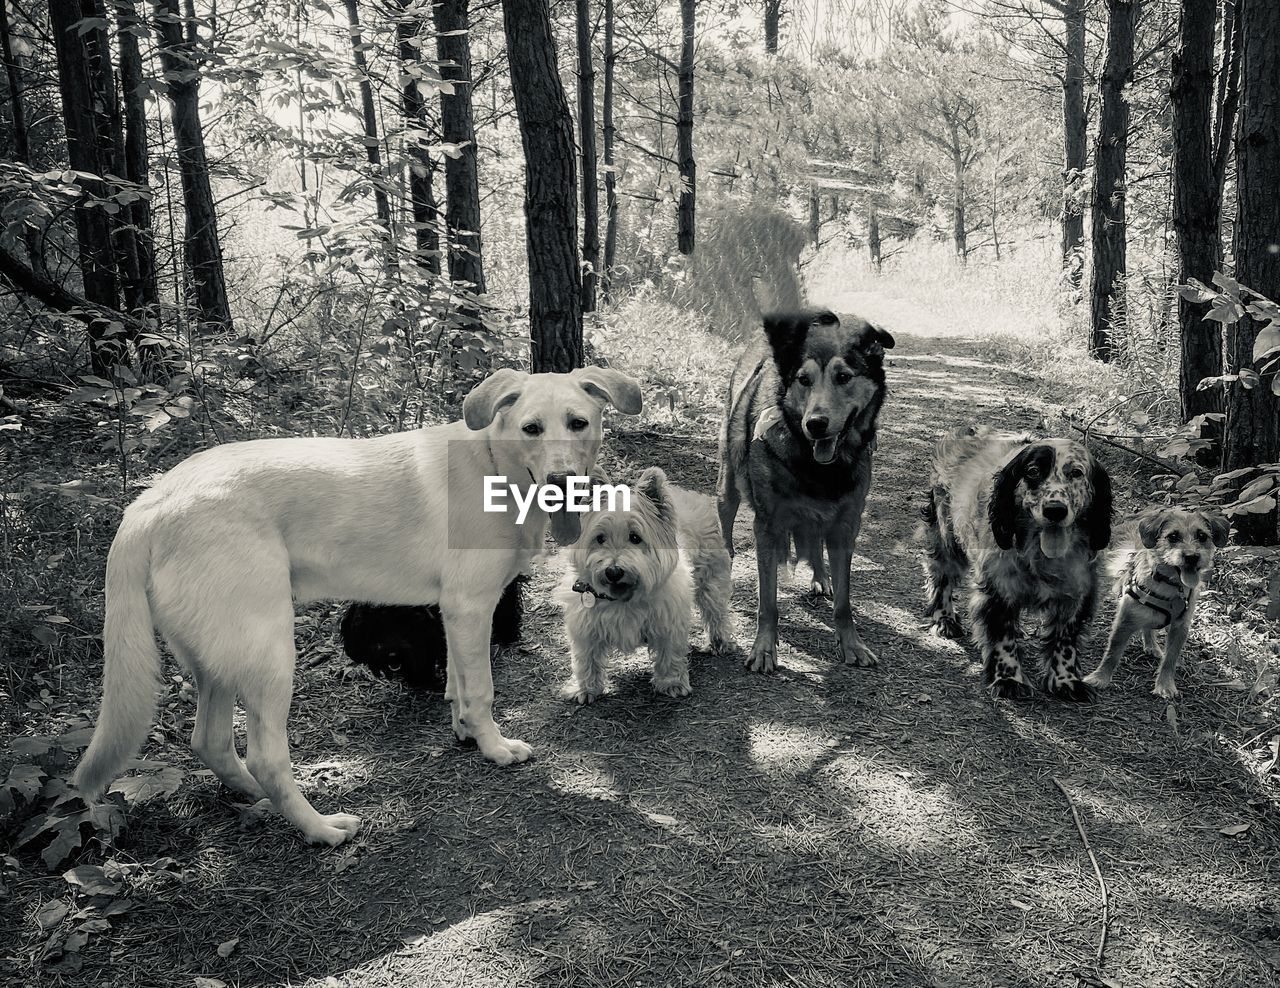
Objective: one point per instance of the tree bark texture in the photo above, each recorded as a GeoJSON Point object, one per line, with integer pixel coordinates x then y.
{"type": "Point", "coordinates": [1075, 139]}
{"type": "Point", "coordinates": [610, 135]}
{"type": "Point", "coordinates": [1108, 228]}
{"type": "Point", "coordinates": [369, 114]}
{"type": "Point", "coordinates": [17, 103]}
{"type": "Point", "coordinates": [181, 65]}
{"type": "Point", "coordinates": [550, 187]}
{"type": "Point", "coordinates": [457, 127]}
{"type": "Point", "coordinates": [587, 144]}
{"type": "Point", "coordinates": [772, 19]}
{"type": "Point", "coordinates": [685, 212]}
{"type": "Point", "coordinates": [136, 157]}
{"type": "Point", "coordinates": [1196, 202]}
{"type": "Point", "coordinates": [1253, 414]}
{"type": "Point", "coordinates": [422, 193]}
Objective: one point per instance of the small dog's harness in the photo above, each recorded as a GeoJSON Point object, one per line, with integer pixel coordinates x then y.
{"type": "Point", "coordinates": [1165, 594]}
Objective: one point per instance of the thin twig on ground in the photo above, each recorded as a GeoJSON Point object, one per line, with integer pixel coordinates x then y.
{"type": "Point", "coordinates": [1097, 870]}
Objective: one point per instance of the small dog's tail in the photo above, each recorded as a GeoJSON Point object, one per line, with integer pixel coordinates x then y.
{"type": "Point", "coordinates": [131, 665]}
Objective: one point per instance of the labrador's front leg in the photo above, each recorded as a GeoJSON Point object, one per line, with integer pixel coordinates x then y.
{"type": "Point", "coordinates": [470, 686]}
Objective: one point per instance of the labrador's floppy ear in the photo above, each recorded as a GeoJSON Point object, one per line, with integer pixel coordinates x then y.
{"type": "Point", "coordinates": [490, 396]}
{"type": "Point", "coordinates": [1149, 524]}
{"type": "Point", "coordinates": [1096, 519]}
{"type": "Point", "coordinates": [1219, 527]}
{"type": "Point", "coordinates": [1002, 512]}
{"type": "Point", "coordinates": [611, 386]}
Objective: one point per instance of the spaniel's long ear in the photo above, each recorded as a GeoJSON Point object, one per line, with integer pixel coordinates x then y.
{"type": "Point", "coordinates": [1002, 512]}
{"type": "Point", "coordinates": [1096, 520]}
{"type": "Point", "coordinates": [1149, 525]}
{"type": "Point", "coordinates": [1219, 527]}
{"type": "Point", "coordinates": [490, 396]}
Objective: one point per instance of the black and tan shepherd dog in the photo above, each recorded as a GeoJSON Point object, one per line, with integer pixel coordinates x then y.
{"type": "Point", "coordinates": [799, 428]}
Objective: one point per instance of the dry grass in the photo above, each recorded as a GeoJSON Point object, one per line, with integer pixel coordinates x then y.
{"type": "Point", "coordinates": [824, 826]}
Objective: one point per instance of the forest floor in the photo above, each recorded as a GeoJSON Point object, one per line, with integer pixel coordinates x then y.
{"type": "Point", "coordinates": [824, 826]}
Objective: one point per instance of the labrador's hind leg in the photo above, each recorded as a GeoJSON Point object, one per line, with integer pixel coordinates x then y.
{"type": "Point", "coordinates": [213, 739]}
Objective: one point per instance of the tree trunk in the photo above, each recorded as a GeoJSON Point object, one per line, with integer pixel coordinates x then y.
{"type": "Point", "coordinates": [610, 178]}
{"type": "Point", "coordinates": [1108, 228]}
{"type": "Point", "coordinates": [1228, 99]}
{"type": "Point", "coordinates": [959, 222]}
{"type": "Point", "coordinates": [684, 133]}
{"type": "Point", "coordinates": [136, 158]}
{"type": "Point", "coordinates": [1075, 131]}
{"type": "Point", "coordinates": [1196, 202]}
{"type": "Point", "coordinates": [18, 118]}
{"type": "Point", "coordinates": [873, 240]}
{"type": "Point", "coordinates": [1253, 414]}
{"type": "Point", "coordinates": [550, 187]}
{"type": "Point", "coordinates": [772, 17]}
{"type": "Point", "coordinates": [587, 141]}
{"type": "Point", "coordinates": [80, 94]}
{"type": "Point", "coordinates": [815, 216]}
{"type": "Point", "coordinates": [457, 127]}
{"type": "Point", "coordinates": [181, 63]}
{"type": "Point", "coordinates": [369, 111]}
{"type": "Point", "coordinates": [422, 169]}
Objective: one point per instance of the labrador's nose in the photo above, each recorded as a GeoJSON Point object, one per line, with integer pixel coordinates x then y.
{"type": "Point", "coordinates": [817, 426]}
{"type": "Point", "coordinates": [614, 573]}
{"type": "Point", "coordinates": [1055, 511]}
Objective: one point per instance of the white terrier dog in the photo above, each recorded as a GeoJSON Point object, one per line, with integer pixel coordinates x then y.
{"type": "Point", "coordinates": [634, 580]}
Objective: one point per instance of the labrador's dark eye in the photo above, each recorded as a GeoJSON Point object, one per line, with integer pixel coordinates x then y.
{"type": "Point", "coordinates": [601, 539]}
{"type": "Point", "coordinates": [578, 424]}
{"type": "Point", "coordinates": [532, 428]}
{"type": "Point", "coordinates": [635, 539]}
{"type": "Point", "coordinates": [844, 377]}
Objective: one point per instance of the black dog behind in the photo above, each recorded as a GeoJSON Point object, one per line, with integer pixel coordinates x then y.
{"type": "Point", "coordinates": [408, 643]}
{"type": "Point", "coordinates": [799, 428]}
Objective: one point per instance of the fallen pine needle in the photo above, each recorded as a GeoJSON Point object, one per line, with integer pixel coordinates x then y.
{"type": "Point", "coordinates": [1102, 885]}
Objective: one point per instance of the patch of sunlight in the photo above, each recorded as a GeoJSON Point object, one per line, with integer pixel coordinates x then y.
{"type": "Point", "coordinates": [786, 750]}
{"type": "Point", "coordinates": [898, 809]}
{"type": "Point", "coordinates": [584, 774]}
{"type": "Point", "coordinates": [337, 776]}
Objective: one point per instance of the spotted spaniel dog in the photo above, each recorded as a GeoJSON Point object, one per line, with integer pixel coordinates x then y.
{"type": "Point", "coordinates": [1029, 519]}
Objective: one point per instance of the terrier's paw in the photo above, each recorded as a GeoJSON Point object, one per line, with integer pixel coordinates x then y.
{"type": "Point", "coordinates": [1098, 679]}
{"type": "Point", "coordinates": [674, 688]}
{"type": "Point", "coordinates": [580, 694]}
{"type": "Point", "coordinates": [1165, 689]}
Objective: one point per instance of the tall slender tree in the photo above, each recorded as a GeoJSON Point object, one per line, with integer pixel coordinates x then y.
{"type": "Point", "coordinates": [687, 165]}
{"type": "Point", "coordinates": [610, 136]}
{"type": "Point", "coordinates": [137, 168]}
{"type": "Point", "coordinates": [550, 187]}
{"type": "Point", "coordinates": [1109, 224]}
{"type": "Point", "coordinates": [772, 20]}
{"type": "Point", "coordinates": [457, 128]}
{"type": "Point", "coordinates": [369, 117]}
{"type": "Point", "coordinates": [81, 94]}
{"type": "Point", "coordinates": [587, 145]}
{"type": "Point", "coordinates": [181, 61]}
{"type": "Point", "coordinates": [1075, 131]}
{"type": "Point", "coordinates": [1196, 201]}
{"type": "Point", "coordinates": [1253, 412]}
{"type": "Point", "coordinates": [17, 103]}
{"type": "Point", "coordinates": [422, 194]}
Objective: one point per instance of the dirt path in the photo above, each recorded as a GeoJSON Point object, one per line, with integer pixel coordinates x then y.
{"type": "Point", "coordinates": [822, 827]}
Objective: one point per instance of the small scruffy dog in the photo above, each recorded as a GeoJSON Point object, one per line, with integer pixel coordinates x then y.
{"type": "Point", "coordinates": [635, 576]}
{"type": "Point", "coordinates": [1158, 571]}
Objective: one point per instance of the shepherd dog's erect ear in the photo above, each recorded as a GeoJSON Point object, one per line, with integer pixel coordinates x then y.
{"type": "Point", "coordinates": [1150, 522]}
{"type": "Point", "coordinates": [1219, 527]}
{"type": "Point", "coordinates": [1096, 519]}
{"type": "Point", "coordinates": [1002, 511]}
{"type": "Point", "coordinates": [491, 395]}
{"type": "Point", "coordinates": [653, 485]}
{"type": "Point", "coordinates": [612, 386]}
{"type": "Point", "coordinates": [787, 332]}
{"type": "Point", "coordinates": [875, 341]}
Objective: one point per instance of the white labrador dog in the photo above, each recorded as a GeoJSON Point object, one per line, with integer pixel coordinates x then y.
{"type": "Point", "coordinates": [214, 555]}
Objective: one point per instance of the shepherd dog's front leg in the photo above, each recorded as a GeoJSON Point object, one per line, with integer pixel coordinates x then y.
{"type": "Point", "coordinates": [763, 657]}
{"type": "Point", "coordinates": [852, 650]}
{"type": "Point", "coordinates": [467, 622]}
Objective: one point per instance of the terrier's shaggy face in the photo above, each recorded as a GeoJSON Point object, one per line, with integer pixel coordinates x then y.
{"type": "Point", "coordinates": [1184, 540]}
{"type": "Point", "coordinates": [628, 553]}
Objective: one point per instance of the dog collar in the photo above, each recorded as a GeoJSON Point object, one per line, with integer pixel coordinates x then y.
{"type": "Point", "coordinates": [590, 594]}
{"type": "Point", "coordinates": [1164, 594]}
